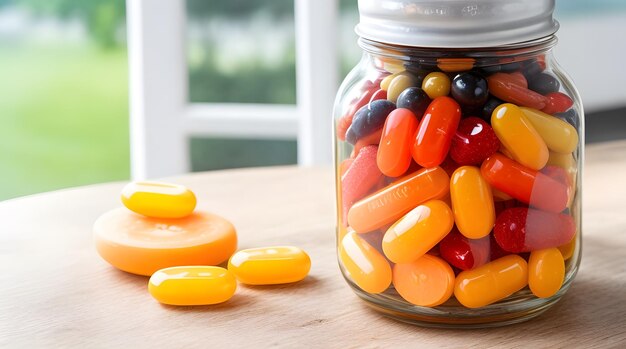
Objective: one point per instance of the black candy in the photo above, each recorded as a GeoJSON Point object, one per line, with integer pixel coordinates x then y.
{"type": "Point", "coordinates": [470, 89]}
{"type": "Point", "coordinates": [510, 67]}
{"type": "Point", "coordinates": [544, 83]}
{"type": "Point", "coordinates": [491, 104]}
{"type": "Point", "coordinates": [369, 119]}
{"type": "Point", "coordinates": [414, 99]}
{"type": "Point", "coordinates": [531, 69]}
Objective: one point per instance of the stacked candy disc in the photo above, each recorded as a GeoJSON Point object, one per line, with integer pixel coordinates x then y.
{"type": "Point", "coordinates": [460, 183]}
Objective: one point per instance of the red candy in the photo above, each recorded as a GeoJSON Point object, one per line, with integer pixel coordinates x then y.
{"type": "Point", "coordinates": [379, 94]}
{"type": "Point", "coordinates": [462, 252]}
{"type": "Point", "coordinates": [557, 103]}
{"type": "Point", "coordinates": [362, 176]}
{"type": "Point", "coordinates": [510, 89]}
{"type": "Point", "coordinates": [435, 131]}
{"type": "Point", "coordinates": [495, 251]}
{"type": "Point", "coordinates": [525, 229]}
{"type": "Point", "coordinates": [473, 142]}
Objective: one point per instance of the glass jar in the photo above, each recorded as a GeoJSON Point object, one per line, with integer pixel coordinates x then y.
{"type": "Point", "coordinates": [458, 171]}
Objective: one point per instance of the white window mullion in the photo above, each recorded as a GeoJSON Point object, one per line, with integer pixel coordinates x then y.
{"type": "Point", "coordinates": [158, 87]}
{"type": "Point", "coordinates": [317, 65]}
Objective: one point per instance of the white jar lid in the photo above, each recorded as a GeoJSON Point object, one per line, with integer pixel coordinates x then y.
{"type": "Point", "coordinates": [455, 23]}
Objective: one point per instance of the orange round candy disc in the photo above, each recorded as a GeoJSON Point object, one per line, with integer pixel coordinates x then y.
{"type": "Point", "coordinates": [427, 282]}
{"type": "Point", "coordinates": [142, 245]}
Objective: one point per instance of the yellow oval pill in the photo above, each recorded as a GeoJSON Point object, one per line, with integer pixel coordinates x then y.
{"type": "Point", "coordinates": [363, 264]}
{"type": "Point", "coordinates": [567, 250]}
{"type": "Point", "coordinates": [193, 285]}
{"type": "Point", "coordinates": [436, 84]}
{"type": "Point", "coordinates": [159, 200]}
{"type": "Point", "coordinates": [558, 135]}
{"type": "Point", "coordinates": [472, 202]}
{"type": "Point", "coordinates": [519, 137]}
{"type": "Point", "coordinates": [399, 84]}
{"type": "Point", "coordinates": [270, 265]}
{"type": "Point", "coordinates": [491, 282]}
{"type": "Point", "coordinates": [417, 232]}
{"type": "Point", "coordinates": [546, 272]}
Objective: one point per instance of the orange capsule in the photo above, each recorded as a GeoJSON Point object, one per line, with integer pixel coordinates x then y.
{"type": "Point", "coordinates": [510, 89]}
{"type": "Point", "coordinates": [417, 232]}
{"type": "Point", "coordinates": [472, 202]}
{"type": "Point", "coordinates": [363, 264]}
{"type": "Point", "coordinates": [394, 150]}
{"type": "Point", "coordinates": [546, 272]}
{"type": "Point", "coordinates": [427, 282]}
{"type": "Point", "coordinates": [525, 184]}
{"type": "Point", "coordinates": [392, 202]}
{"type": "Point", "coordinates": [519, 137]}
{"type": "Point", "coordinates": [435, 131]}
{"type": "Point", "coordinates": [452, 65]}
{"type": "Point", "coordinates": [491, 282]}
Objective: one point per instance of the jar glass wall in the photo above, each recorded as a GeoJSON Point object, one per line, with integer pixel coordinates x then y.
{"type": "Point", "coordinates": [458, 182]}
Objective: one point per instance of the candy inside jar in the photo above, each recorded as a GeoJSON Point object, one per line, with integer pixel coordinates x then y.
{"type": "Point", "coordinates": [465, 168]}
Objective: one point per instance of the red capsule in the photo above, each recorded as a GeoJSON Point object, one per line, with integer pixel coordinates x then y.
{"type": "Point", "coordinates": [473, 142]}
{"type": "Point", "coordinates": [525, 184]}
{"type": "Point", "coordinates": [557, 103]}
{"type": "Point", "coordinates": [379, 94]}
{"type": "Point", "coordinates": [362, 175]}
{"type": "Point", "coordinates": [462, 252]}
{"type": "Point", "coordinates": [508, 89]}
{"type": "Point", "coordinates": [525, 229]}
{"type": "Point", "coordinates": [435, 131]}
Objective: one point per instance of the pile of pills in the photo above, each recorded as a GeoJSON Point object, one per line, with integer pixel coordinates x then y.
{"type": "Point", "coordinates": [160, 234]}
{"type": "Point", "coordinates": [459, 184]}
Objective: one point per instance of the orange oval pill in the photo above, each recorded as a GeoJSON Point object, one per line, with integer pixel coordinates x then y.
{"type": "Point", "coordinates": [142, 245]}
{"type": "Point", "coordinates": [491, 282]}
{"type": "Point", "coordinates": [363, 264]}
{"type": "Point", "coordinates": [417, 232]}
{"type": "Point", "coordinates": [392, 202]}
{"type": "Point", "coordinates": [427, 282]}
{"type": "Point", "coordinates": [546, 272]}
{"type": "Point", "coordinates": [472, 202]}
{"type": "Point", "coordinates": [394, 150]}
{"type": "Point", "coordinates": [435, 131]}
{"type": "Point", "coordinates": [568, 249]}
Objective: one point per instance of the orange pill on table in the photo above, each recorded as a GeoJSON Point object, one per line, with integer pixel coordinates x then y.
{"type": "Point", "coordinates": [427, 282]}
{"type": "Point", "coordinates": [491, 282]}
{"type": "Point", "coordinates": [546, 272]}
{"type": "Point", "coordinates": [390, 203]}
{"type": "Point", "coordinates": [472, 202]}
{"type": "Point", "coordinates": [142, 245]}
{"type": "Point", "coordinates": [519, 137]}
{"type": "Point", "coordinates": [364, 264]}
{"type": "Point", "coordinates": [394, 150]}
{"type": "Point", "coordinates": [435, 131]}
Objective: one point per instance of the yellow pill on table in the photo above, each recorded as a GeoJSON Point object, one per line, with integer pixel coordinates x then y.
{"type": "Point", "coordinates": [270, 265]}
{"type": "Point", "coordinates": [472, 202]}
{"type": "Point", "coordinates": [491, 282]}
{"type": "Point", "coordinates": [417, 232]}
{"type": "Point", "coordinates": [158, 199]}
{"type": "Point", "coordinates": [436, 84]}
{"type": "Point", "coordinates": [558, 135]}
{"type": "Point", "coordinates": [363, 264]}
{"type": "Point", "coordinates": [546, 272]}
{"type": "Point", "coordinates": [192, 285]}
{"type": "Point", "coordinates": [519, 137]}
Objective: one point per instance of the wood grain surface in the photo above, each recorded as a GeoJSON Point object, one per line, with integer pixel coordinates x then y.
{"type": "Point", "coordinates": [55, 291]}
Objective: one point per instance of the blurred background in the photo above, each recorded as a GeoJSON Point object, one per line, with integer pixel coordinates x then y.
{"type": "Point", "coordinates": [64, 105]}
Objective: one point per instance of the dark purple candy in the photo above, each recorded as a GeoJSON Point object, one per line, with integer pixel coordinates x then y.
{"type": "Point", "coordinates": [510, 67]}
{"type": "Point", "coordinates": [469, 89]}
{"type": "Point", "coordinates": [571, 116]}
{"type": "Point", "coordinates": [544, 83]}
{"type": "Point", "coordinates": [414, 99]}
{"type": "Point", "coordinates": [531, 69]}
{"type": "Point", "coordinates": [369, 119]}
{"type": "Point", "coordinates": [491, 104]}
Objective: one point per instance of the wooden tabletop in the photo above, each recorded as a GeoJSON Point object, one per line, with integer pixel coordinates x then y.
{"type": "Point", "coordinates": [55, 291]}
